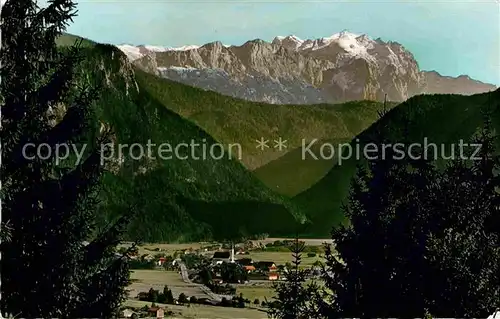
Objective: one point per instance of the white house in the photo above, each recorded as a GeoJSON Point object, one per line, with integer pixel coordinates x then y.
{"type": "Point", "coordinates": [127, 313]}
{"type": "Point", "coordinates": [495, 315]}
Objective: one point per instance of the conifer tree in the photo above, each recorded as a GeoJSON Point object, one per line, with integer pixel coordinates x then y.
{"type": "Point", "coordinates": [419, 241]}
{"type": "Point", "coordinates": [293, 299]}
{"type": "Point", "coordinates": [364, 275]}
{"type": "Point", "coordinates": [465, 253]}
{"type": "Point", "coordinates": [57, 263]}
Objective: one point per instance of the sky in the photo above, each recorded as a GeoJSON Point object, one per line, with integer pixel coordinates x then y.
{"type": "Point", "coordinates": [451, 37]}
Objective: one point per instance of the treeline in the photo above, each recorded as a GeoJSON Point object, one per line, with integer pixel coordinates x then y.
{"type": "Point", "coordinates": [286, 244]}
{"type": "Point", "coordinates": [142, 264]}
{"type": "Point", "coordinates": [166, 297]}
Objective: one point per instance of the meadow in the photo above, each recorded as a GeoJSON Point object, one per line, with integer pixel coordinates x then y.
{"type": "Point", "coordinates": [143, 280]}
{"type": "Point", "coordinates": [204, 312]}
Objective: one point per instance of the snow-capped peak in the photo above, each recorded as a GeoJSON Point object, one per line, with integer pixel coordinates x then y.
{"type": "Point", "coordinates": [289, 37]}
{"type": "Point", "coordinates": [137, 52]}
{"type": "Point", "coordinates": [290, 41]}
{"type": "Point", "coordinates": [132, 52]}
{"type": "Point", "coordinates": [184, 48]}
{"type": "Point", "coordinates": [295, 38]}
{"type": "Point", "coordinates": [341, 36]}
{"type": "Point", "coordinates": [352, 43]}
{"type": "Point", "coordinates": [155, 48]}
{"type": "Point", "coordinates": [344, 39]}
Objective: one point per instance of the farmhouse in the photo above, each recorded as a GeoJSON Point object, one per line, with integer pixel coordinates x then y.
{"type": "Point", "coordinates": [223, 256]}
{"type": "Point", "coordinates": [127, 313]}
{"type": "Point", "coordinates": [159, 312]}
{"type": "Point", "coordinates": [266, 265]}
{"type": "Point", "coordinates": [273, 276]}
{"type": "Point", "coordinates": [161, 261]}
{"type": "Point", "coordinates": [246, 263]}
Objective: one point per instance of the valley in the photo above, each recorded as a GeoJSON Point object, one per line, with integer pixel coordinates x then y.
{"type": "Point", "coordinates": [159, 269]}
{"type": "Point", "coordinates": [292, 192]}
{"type": "Point", "coordinates": [251, 160]}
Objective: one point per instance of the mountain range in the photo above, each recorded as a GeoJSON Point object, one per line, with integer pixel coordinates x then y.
{"type": "Point", "coordinates": [289, 70]}
{"type": "Point", "coordinates": [267, 191]}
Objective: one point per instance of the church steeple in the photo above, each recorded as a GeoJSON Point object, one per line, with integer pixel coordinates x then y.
{"type": "Point", "coordinates": [232, 252]}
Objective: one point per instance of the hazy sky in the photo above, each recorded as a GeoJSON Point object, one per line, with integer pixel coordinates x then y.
{"type": "Point", "coordinates": [451, 37]}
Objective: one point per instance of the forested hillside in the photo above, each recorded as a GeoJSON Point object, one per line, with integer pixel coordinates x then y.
{"type": "Point", "coordinates": [441, 119]}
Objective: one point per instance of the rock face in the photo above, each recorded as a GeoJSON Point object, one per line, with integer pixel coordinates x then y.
{"type": "Point", "coordinates": [289, 70]}
{"type": "Point", "coordinates": [436, 83]}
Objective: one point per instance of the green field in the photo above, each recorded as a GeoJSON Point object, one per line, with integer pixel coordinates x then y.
{"type": "Point", "coordinates": [204, 312]}
{"type": "Point", "coordinates": [262, 291]}
{"type": "Point", "coordinates": [256, 291]}
{"type": "Point", "coordinates": [143, 280]}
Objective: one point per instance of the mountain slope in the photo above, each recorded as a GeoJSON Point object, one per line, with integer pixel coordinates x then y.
{"type": "Point", "coordinates": [173, 199]}
{"type": "Point", "coordinates": [442, 119]}
{"type": "Point", "coordinates": [67, 39]}
{"type": "Point", "coordinates": [342, 67]}
{"type": "Point", "coordinates": [231, 120]}
{"type": "Point", "coordinates": [293, 172]}
{"type": "Point", "coordinates": [187, 199]}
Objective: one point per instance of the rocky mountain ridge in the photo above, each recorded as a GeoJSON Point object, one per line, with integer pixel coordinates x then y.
{"type": "Point", "coordinates": [289, 70]}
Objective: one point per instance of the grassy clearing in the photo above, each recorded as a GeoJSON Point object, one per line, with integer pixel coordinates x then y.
{"type": "Point", "coordinates": [204, 312]}
{"type": "Point", "coordinates": [143, 280]}
{"type": "Point", "coordinates": [263, 291]}
{"type": "Point", "coordinates": [256, 291]}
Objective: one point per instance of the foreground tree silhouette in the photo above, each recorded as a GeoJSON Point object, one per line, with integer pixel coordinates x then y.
{"type": "Point", "coordinates": [419, 241]}
{"type": "Point", "coordinates": [465, 254]}
{"type": "Point", "coordinates": [57, 263]}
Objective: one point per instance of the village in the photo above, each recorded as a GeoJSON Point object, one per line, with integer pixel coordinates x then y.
{"type": "Point", "coordinates": [233, 279]}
